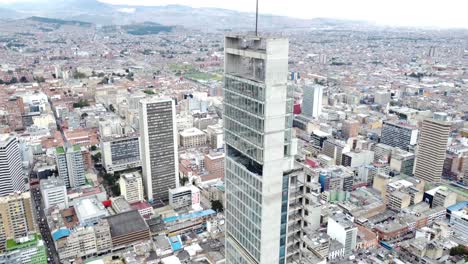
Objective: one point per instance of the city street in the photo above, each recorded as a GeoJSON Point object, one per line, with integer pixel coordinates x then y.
{"type": "Point", "coordinates": [43, 226]}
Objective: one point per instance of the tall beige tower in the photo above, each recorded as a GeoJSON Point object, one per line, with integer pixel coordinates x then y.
{"type": "Point", "coordinates": [431, 150]}
{"type": "Point", "coordinates": [16, 217]}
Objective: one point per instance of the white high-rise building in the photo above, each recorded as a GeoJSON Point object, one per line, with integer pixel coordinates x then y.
{"type": "Point", "coordinates": [257, 119]}
{"type": "Point", "coordinates": [70, 165]}
{"type": "Point", "coordinates": [312, 101]}
{"type": "Point", "coordinates": [11, 170]}
{"type": "Point", "coordinates": [343, 230]}
{"type": "Point", "coordinates": [158, 139]}
{"type": "Point", "coordinates": [54, 193]}
{"type": "Point", "coordinates": [131, 187]}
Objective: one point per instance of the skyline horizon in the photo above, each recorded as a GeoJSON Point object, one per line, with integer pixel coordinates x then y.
{"type": "Point", "coordinates": [417, 14]}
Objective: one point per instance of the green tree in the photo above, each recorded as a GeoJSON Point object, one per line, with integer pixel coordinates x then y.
{"type": "Point", "coordinates": [79, 75]}
{"type": "Point", "coordinates": [81, 103]}
{"type": "Point", "coordinates": [96, 157]}
{"type": "Point", "coordinates": [104, 80]}
{"type": "Point", "coordinates": [112, 108]}
{"type": "Point", "coordinates": [183, 180]}
{"type": "Point", "coordinates": [217, 205]}
{"type": "Point", "coordinates": [115, 190]}
{"type": "Point", "coordinates": [459, 250]}
{"type": "Point", "coordinates": [150, 92]}
{"type": "Point", "coordinates": [40, 79]}
{"type": "Point", "coordinates": [93, 148]}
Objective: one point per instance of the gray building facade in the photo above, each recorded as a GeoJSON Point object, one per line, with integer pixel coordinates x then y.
{"type": "Point", "coordinates": [400, 135]}
{"type": "Point", "coordinates": [11, 170]}
{"type": "Point", "coordinates": [158, 139]}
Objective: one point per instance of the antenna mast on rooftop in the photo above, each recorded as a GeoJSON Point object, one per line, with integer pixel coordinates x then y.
{"type": "Point", "coordinates": [256, 21]}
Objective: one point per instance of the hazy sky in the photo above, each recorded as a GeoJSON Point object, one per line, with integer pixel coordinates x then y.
{"type": "Point", "coordinates": [438, 13]}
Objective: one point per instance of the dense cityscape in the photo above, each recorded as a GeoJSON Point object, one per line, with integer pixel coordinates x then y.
{"type": "Point", "coordinates": [144, 142]}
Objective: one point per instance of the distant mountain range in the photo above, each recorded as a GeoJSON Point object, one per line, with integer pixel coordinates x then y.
{"type": "Point", "coordinates": [96, 12]}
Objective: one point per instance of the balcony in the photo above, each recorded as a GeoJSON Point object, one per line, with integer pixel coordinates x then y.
{"type": "Point", "coordinates": [293, 229]}
{"type": "Point", "coordinates": [293, 239]}
{"type": "Point", "coordinates": [292, 250]}
{"type": "Point", "coordinates": [294, 217]}
{"type": "Point", "coordinates": [294, 206]}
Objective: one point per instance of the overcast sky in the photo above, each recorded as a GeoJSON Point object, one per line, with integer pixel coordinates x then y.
{"type": "Point", "coordinates": [439, 13]}
{"type": "Point", "coordinates": [436, 13]}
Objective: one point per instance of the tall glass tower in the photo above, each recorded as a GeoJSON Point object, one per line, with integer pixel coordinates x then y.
{"type": "Point", "coordinates": [257, 118]}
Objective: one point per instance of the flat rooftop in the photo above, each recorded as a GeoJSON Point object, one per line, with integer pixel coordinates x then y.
{"type": "Point", "coordinates": [51, 183]}
{"type": "Point", "coordinates": [126, 223]}
{"type": "Point", "coordinates": [89, 208]}
{"type": "Point", "coordinates": [4, 137]}
{"type": "Point", "coordinates": [192, 132]}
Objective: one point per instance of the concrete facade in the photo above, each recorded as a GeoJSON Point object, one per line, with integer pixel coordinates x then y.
{"type": "Point", "coordinates": [256, 109]}
{"type": "Point", "coordinates": [158, 139]}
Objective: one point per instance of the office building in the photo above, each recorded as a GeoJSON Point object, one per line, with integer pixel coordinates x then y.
{"type": "Point", "coordinates": [456, 161]}
{"type": "Point", "coordinates": [343, 230]}
{"type": "Point", "coordinates": [350, 128]}
{"type": "Point", "coordinates": [400, 193]}
{"type": "Point", "coordinates": [459, 222]}
{"type": "Point", "coordinates": [444, 197]}
{"type": "Point", "coordinates": [312, 101]}
{"type": "Point", "coordinates": [214, 165]}
{"type": "Point", "coordinates": [54, 193]}
{"type": "Point", "coordinates": [120, 152]}
{"type": "Point", "coordinates": [70, 165]}
{"type": "Point", "coordinates": [358, 158]}
{"type": "Point", "coordinates": [257, 119]}
{"type": "Point", "coordinates": [131, 187]}
{"type": "Point", "coordinates": [402, 161]}
{"type": "Point", "coordinates": [431, 150]}
{"type": "Point", "coordinates": [158, 138]}
{"type": "Point", "coordinates": [198, 102]}
{"type": "Point", "coordinates": [335, 149]}
{"type": "Point", "coordinates": [318, 137]}
{"type": "Point", "coordinates": [184, 196]}
{"type": "Point", "coordinates": [368, 173]}
{"type": "Point", "coordinates": [265, 205]}
{"type": "Point", "coordinates": [382, 153]}
{"type": "Point", "coordinates": [307, 124]}
{"type": "Point", "coordinates": [11, 170]}
{"type": "Point", "coordinates": [192, 137]}
{"type": "Point", "coordinates": [337, 178]}
{"type": "Point", "coordinates": [215, 136]}
{"type": "Point", "coordinates": [16, 217]}
{"type": "Point", "coordinates": [399, 134]}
